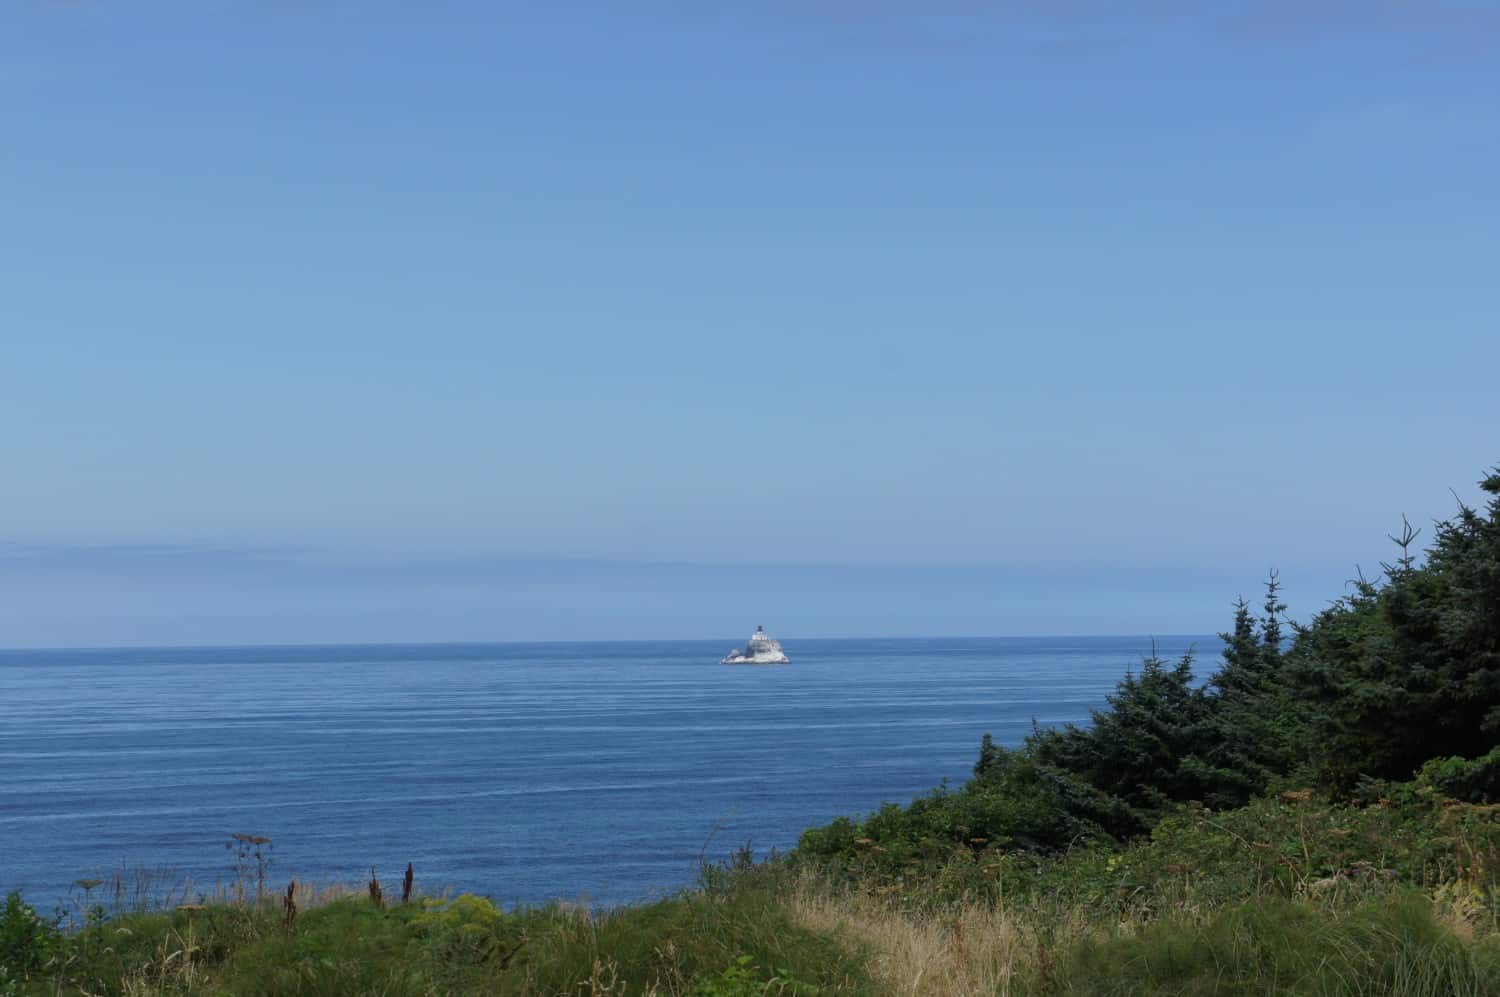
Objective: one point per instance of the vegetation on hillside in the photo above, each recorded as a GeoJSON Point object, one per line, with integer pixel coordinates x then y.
{"type": "Point", "coordinates": [1398, 680]}
{"type": "Point", "coordinates": [711, 942]}
{"type": "Point", "coordinates": [1317, 817]}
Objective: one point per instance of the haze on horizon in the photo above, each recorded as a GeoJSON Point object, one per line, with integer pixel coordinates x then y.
{"type": "Point", "coordinates": [468, 321]}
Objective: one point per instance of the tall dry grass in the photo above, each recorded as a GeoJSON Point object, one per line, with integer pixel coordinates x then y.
{"type": "Point", "coordinates": [964, 951]}
{"type": "Point", "coordinates": [1402, 942]}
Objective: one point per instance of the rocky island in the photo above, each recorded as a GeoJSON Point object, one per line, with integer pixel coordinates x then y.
{"type": "Point", "coordinates": [760, 649]}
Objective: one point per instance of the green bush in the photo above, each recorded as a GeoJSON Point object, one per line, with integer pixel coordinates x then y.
{"type": "Point", "coordinates": [466, 930]}
{"type": "Point", "coordinates": [29, 942]}
{"type": "Point", "coordinates": [1289, 845]}
{"type": "Point", "coordinates": [1475, 780]}
{"type": "Point", "coordinates": [1016, 804]}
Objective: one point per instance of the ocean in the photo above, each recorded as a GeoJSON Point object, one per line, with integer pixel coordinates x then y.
{"type": "Point", "coordinates": [593, 772]}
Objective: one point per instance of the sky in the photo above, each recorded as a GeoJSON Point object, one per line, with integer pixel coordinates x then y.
{"type": "Point", "coordinates": [463, 320]}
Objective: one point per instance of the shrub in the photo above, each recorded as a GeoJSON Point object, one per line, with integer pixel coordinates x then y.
{"type": "Point", "coordinates": [466, 930]}
{"type": "Point", "coordinates": [28, 941]}
{"type": "Point", "coordinates": [1475, 780]}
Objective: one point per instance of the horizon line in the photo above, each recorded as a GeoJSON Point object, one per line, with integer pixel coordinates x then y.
{"type": "Point", "coordinates": [271, 645]}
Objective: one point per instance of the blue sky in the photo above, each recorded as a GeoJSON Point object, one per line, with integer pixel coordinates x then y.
{"type": "Point", "coordinates": [463, 320]}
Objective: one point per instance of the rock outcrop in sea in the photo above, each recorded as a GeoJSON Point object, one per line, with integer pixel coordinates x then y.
{"type": "Point", "coordinates": [761, 649]}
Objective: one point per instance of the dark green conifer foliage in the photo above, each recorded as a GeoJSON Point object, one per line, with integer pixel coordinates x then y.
{"type": "Point", "coordinates": [1397, 673]}
{"type": "Point", "coordinates": [1135, 750]}
{"type": "Point", "coordinates": [1241, 650]}
{"type": "Point", "coordinates": [1270, 625]}
{"type": "Point", "coordinates": [990, 756]}
{"type": "Point", "coordinates": [1410, 670]}
{"type": "Point", "coordinates": [1250, 721]}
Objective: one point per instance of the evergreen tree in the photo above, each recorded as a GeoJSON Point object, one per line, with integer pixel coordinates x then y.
{"type": "Point", "coordinates": [990, 756]}
{"type": "Point", "coordinates": [1270, 625]}
{"type": "Point", "coordinates": [1410, 670]}
{"type": "Point", "coordinates": [1249, 721]}
{"type": "Point", "coordinates": [1241, 651]}
{"type": "Point", "coordinates": [1134, 751]}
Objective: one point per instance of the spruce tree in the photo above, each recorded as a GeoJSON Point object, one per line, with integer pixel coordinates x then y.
{"type": "Point", "coordinates": [1134, 750]}
{"type": "Point", "coordinates": [1409, 669]}
{"type": "Point", "coordinates": [1248, 721]}
{"type": "Point", "coordinates": [990, 757]}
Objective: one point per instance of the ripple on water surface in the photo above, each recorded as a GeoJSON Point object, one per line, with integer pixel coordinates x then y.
{"type": "Point", "coordinates": [527, 771]}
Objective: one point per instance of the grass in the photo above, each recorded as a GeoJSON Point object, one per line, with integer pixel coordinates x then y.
{"type": "Point", "coordinates": [1289, 846]}
{"type": "Point", "coordinates": [1394, 946]}
{"type": "Point", "coordinates": [737, 937]}
{"type": "Point", "coordinates": [776, 930]}
{"type": "Point", "coordinates": [1289, 895]}
{"type": "Point", "coordinates": [1402, 944]}
{"type": "Point", "coordinates": [968, 949]}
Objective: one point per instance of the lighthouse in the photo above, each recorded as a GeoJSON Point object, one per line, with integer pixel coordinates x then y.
{"type": "Point", "coordinates": [760, 649]}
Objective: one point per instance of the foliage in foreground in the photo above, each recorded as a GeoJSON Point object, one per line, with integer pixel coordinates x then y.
{"type": "Point", "coordinates": [1283, 846]}
{"type": "Point", "coordinates": [1292, 893]}
{"type": "Point", "coordinates": [29, 942]}
{"type": "Point", "coordinates": [1392, 946]}
{"type": "Point", "coordinates": [774, 929]}
{"type": "Point", "coordinates": [715, 944]}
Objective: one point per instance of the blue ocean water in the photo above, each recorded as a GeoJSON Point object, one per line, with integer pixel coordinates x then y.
{"type": "Point", "coordinates": [523, 771]}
